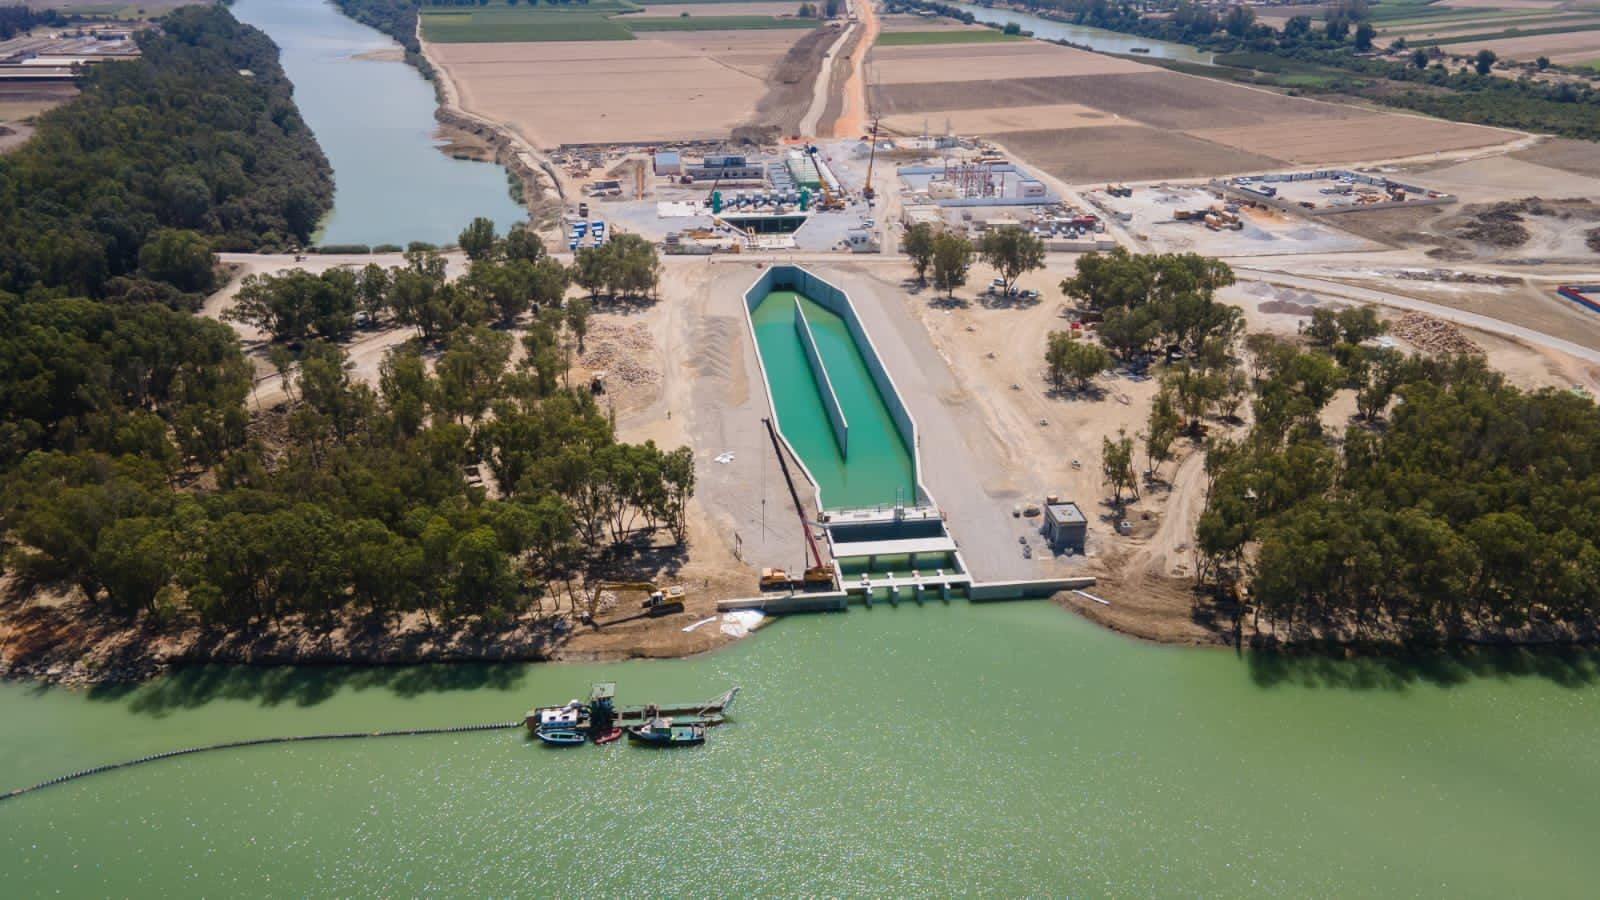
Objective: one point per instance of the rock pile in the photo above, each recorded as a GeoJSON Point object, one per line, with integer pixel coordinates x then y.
{"type": "Point", "coordinates": [1431, 335]}
{"type": "Point", "coordinates": [622, 353]}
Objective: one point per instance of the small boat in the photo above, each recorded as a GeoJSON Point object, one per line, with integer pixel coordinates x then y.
{"type": "Point", "coordinates": [608, 736]}
{"type": "Point", "coordinates": [663, 733]}
{"type": "Point", "coordinates": [1138, 49]}
{"type": "Point", "coordinates": [560, 737]}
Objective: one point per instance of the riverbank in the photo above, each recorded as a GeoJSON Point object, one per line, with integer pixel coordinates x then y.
{"type": "Point", "coordinates": [542, 190]}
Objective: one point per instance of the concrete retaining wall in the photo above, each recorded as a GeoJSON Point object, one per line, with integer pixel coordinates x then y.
{"type": "Point", "coordinates": [1018, 590]}
{"type": "Point", "coordinates": [830, 399]}
{"type": "Point", "coordinates": [788, 603]}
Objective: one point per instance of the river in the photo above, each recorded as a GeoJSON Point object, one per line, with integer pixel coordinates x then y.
{"type": "Point", "coordinates": [374, 119]}
{"type": "Point", "coordinates": [1084, 36]}
{"type": "Point", "coordinates": [1006, 749]}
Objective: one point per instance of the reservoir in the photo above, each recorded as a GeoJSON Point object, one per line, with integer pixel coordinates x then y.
{"type": "Point", "coordinates": [1084, 36]}
{"type": "Point", "coordinates": [1006, 748]}
{"type": "Point", "coordinates": [374, 120]}
{"type": "Point", "coordinates": [878, 469]}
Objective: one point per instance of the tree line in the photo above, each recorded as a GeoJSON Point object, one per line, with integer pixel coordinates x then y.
{"type": "Point", "coordinates": [1452, 504]}
{"type": "Point", "coordinates": [196, 146]}
{"type": "Point", "coordinates": [506, 279]}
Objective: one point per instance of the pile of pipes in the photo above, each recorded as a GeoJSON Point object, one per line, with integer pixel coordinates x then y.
{"type": "Point", "coordinates": [1431, 335]}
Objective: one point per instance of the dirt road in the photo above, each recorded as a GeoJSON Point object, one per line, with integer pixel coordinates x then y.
{"type": "Point", "coordinates": [853, 119]}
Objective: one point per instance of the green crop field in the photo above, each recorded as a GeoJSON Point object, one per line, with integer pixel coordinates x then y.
{"type": "Point", "coordinates": [599, 20]}
{"type": "Point", "coordinates": [713, 23]}
{"type": "Point", "coordinates": [476, 27]}
{"type": "Point", "coordinates": [918, 38]}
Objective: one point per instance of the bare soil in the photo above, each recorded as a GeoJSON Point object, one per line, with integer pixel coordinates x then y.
{"type": "Point", "coordinates": [679, 86]}
{"type": "Point", "coordinates": [789, 87]}
{"type": "Point", "coordinates": [1345, 138]}
{"type": "Point", "coordinates": [1128, 152]}
{"type": "Point", "coordinates": [933, 63]}
{"type": "Point", "coordinates": [1577, 157]}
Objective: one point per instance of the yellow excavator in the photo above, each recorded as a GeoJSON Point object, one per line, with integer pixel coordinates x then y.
{"type": "Point", "coordinates": [658, 602]}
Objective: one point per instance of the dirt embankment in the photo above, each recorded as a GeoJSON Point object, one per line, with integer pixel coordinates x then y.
{"type": "Point", "coordinates": [789, 89]}
{"type": "Point", "coordinates": [542, 192]}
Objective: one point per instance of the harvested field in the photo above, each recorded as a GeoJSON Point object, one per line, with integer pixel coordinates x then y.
{"type": "Point", "coordinates": [1347, 139]}
{"type": "Point", "coordinates": [1162, 99]}
{"type": "Point", "coordinates": [1501, 4]}
{"type": "Point", "coordinates": [978, 62]}
{"type": "Point", "coordinates": [1561, 48]}
{"type": "Point", "coordinates": [1509, 177]}
{"type": "Point", "coordinates": [1127, 153]}
{"type": "Point", "coordinates": [1016, 118]}
{"type": "Point", "coordinates": [1577, 157]}
{"type": "Point", "coordinates": [676, 87]}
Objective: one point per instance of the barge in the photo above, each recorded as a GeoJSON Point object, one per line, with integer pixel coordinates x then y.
{"type": "Point", "coordinates": [601, 714]}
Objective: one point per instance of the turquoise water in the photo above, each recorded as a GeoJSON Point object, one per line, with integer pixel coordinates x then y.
{"type": "Point", "coordinates": [1003, 749]}
{"type": "Point", "coordinates": [374, 120]}
{"type": "Point", "coordinates": [878, 470]}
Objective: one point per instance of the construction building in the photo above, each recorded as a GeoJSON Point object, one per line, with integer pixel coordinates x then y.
{"type": "Point", "coordinates": [1065, 528]}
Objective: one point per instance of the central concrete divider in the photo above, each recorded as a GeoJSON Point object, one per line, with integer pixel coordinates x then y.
{"type": "Point", "coordinates": [830, 399]}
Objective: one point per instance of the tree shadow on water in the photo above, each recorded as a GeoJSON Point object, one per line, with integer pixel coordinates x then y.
{"type": "Point", "coordinates": [1400, 669]}
{"type": "Point", "coordinates": [196, 686]}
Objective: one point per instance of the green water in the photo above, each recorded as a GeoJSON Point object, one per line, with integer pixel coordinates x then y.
{"type": "Point", "coordinates": [1007, 748]}
{"type": "Point", "coordinates": [879, 468]}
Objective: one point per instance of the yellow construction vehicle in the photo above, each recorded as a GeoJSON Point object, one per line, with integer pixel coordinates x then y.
{"type": "Point", "coordinates": [658, 601]}
{"type": "Point", "coordinates": [869, 192]}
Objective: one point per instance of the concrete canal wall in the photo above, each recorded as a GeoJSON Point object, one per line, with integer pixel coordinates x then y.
{"type": "Point", "coordinates": [830, 399]}
{"type": "Point", "coordinates": [836, 301]}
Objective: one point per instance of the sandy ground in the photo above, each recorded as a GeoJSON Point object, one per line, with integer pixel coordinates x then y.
{"type": "Point", "coordinates": [13, 135]}
{"type": "Point", "coordinates": [681, 86]}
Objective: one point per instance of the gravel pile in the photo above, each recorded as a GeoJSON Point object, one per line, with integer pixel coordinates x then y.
{"type": "Point", "coordinates": [1432, 335]}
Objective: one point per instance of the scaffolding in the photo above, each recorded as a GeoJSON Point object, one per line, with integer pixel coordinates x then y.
{"type": "Point", "coordinates": [971, 180]}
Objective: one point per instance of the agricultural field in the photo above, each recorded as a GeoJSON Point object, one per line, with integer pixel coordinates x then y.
{"type": "Point", "coordinates": [1567, 32]}
{"type": "Point", "coordinates": [667, 86]}
{"type": "Point", "coordinates": [1086, 117]}
{"type": "Point", "coordinates": [600, 20]}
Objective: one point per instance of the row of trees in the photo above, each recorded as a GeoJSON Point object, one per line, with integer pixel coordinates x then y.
{"type": "Point", "coordinates": [506, 278]}
{"type": "Point", "coordinates": [196, 145]}
{"type": "Point", "coordinates": [948, 256]}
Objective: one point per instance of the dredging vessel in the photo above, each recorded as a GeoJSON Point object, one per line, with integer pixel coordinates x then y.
{"type": "Point", "coordinates": [601, 714]}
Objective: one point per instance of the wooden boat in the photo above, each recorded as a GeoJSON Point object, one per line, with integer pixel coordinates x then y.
{"type": "Point", "coordinates": [608, 736]}
{"type": "Point", "coordinates": [560, 737]}
{"type": "Point", "coordinates": [662, 732]}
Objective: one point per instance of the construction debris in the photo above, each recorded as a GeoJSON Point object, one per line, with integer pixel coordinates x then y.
{"type": "Point", "coordinates": [620, 353]}
{"type": "Point", "coordinates": [1432, 335]}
